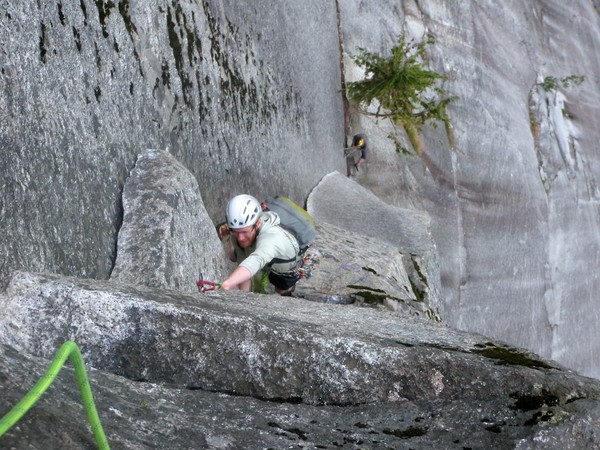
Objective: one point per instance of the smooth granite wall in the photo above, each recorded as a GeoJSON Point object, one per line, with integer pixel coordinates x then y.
{"type": "Point", "coordinates": [247, 98]}
{"type": "Point", "coordinates": [512, 186]}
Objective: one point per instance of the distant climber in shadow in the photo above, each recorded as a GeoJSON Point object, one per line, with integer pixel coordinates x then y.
{"type": "Point", "coordinates": [356, 154]}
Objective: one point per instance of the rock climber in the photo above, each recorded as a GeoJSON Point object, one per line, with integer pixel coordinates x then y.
{"type": "Point", "coordinates": [257, 242]}
{"type": "Point", "coordinates": [359, 141]}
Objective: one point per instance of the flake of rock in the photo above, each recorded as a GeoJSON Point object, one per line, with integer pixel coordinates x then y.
{"type": "Point", "coordinates": [167, 238]}
{"type": "Point", "coordinates": [227, 370]}
{"type": "Point", "coordinates": [340, 201]}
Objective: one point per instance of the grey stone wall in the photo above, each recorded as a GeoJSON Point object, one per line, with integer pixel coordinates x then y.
{"type": "Point", "coordinates": [512, 187]}
{"type": "Point", "coordinates": [239, 370]}
{"type": "Point", "coordinates": [246, 98]}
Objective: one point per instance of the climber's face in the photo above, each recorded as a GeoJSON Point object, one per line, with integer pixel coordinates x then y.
{"type": "Point", "coordinates": [245, 237]}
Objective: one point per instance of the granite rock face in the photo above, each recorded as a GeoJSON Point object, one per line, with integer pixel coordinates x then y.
{"type": "Point", "coordinates": [512, 187]}
{"type": "Point", "coordinates": [363, 270]}
{"type": "Point", "coordinates": [493, 221]}
{"type": "Point", "coordinates": [154, 415]}
{"type": "Point", "coordinates": [237, 94]}
{"type": "Point", "coordinates": [227, 370]}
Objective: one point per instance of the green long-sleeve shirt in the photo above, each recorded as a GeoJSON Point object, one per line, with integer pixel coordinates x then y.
{"type": "Point", "coordinates": [272, 242]}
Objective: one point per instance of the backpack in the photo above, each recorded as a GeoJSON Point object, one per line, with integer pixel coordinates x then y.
{"type": "Point", "coordinates": [294, 219]}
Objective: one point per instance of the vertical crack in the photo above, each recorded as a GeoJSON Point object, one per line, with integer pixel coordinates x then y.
{"type": "Point", "coordinates": [342, 74]}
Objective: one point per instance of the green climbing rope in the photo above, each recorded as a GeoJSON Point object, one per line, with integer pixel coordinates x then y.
{"type": "Point", "coordinates": [68, 350]}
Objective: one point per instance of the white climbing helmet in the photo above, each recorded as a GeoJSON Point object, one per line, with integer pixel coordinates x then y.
{"type": "Point", "coordinates": [242, 211]}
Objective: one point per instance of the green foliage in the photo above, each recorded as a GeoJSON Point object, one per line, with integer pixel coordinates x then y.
{"type": "Point", "coordinates": [261, 286]}
{"type": "Point", "coordinates": [550, 83]}
{"type": "Point", "coordinates": [573, 80]}
{"type": "Point", "coordinates": [406, 91]}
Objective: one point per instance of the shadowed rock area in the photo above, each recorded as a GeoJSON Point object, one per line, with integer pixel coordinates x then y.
{"type": "Point", "coordinates": [148, 415]}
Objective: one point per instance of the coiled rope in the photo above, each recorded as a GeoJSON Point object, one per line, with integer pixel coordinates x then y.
{"type": "Point", "coordinates": [68, 350]}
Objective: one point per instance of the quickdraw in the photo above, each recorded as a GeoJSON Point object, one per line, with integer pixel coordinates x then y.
{"type": "Point", "coordinates": [206, 286]}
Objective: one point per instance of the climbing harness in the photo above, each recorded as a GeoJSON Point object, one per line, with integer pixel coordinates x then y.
{"type": "Point", "coordinates": [349, 151]}
{"type": "Point", "coordinates": [68, 350]}
{"type": "Point", "coordinates": [310, 260]}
